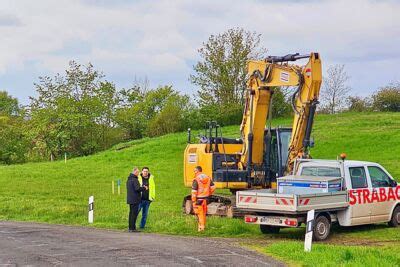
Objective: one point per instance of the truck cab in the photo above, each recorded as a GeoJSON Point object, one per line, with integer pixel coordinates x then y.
{"type": "Point", "coordinates": [366, 194]}
{"type": "Point", "coordinates": [373, 194]}
{"type": "Point", "coordinates": [368, 184]}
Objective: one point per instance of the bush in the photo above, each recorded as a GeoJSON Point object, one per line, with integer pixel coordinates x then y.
{"type": "Point", "coordinates": [223, 115]}
{"type": "Point", "coordinates": [358, 104]}
{"type": "Point", "coordinates": [387, 98]}
{"type": "Point", "coordinates": [172, 117]}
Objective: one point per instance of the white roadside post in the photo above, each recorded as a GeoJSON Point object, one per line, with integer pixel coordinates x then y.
{"type": "Point", "coordinates": [309, 230]}
{"type": "Point", "coordinates": [91, 206]}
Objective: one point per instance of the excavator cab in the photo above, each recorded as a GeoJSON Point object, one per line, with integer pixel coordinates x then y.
{"type": "Point", "coordinates": [276, 147]}
{"type": "Point", "coordinates": [220, 158]}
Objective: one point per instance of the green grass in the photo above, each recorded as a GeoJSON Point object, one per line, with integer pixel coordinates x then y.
{"type": "Point", "coordinates": [369, 245]}
{"type": "Point", "coordinates": [334, 255]}
{"type": "Point", "coordinates": [55, 192]}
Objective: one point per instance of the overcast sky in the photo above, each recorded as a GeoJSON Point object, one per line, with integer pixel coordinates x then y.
{"type": "Point", "coordinates": [159, 39]}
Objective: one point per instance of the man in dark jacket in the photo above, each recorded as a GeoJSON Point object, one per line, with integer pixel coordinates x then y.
{"type": "Point", "coordinates": [133, 197]}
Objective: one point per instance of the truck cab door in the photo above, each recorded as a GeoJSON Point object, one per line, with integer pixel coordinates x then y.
{"type": "Point", "coordinates": [383, 194]}
{"type": "Point", "coordinates": [360, 208]}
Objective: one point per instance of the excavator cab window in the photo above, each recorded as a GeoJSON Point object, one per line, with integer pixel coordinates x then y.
{"type": "Point", "coordinates": [274, 160]}
{"type": "Point", "coordinates": [284, 137]}
{"type": "Point", "coordinates": [276, 154]}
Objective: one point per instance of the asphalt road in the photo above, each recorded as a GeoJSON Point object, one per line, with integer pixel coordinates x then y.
{"type": "Point", "coordinates": [58, 245]}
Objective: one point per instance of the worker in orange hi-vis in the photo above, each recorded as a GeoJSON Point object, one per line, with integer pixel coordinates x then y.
{"type": "Point", "coordinates": [202, 188]}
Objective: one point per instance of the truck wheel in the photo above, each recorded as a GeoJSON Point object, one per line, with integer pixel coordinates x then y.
{"type": "Point", "coordinates": [322, 228]}
{"type": "Point", "coordinates": [268, 229]}
{"type": "Point", "coordinates": [395, 221]}
{"type": "Point", "coordinates": [188, 207]}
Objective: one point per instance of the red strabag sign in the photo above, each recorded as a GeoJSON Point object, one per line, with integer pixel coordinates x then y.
{"type": "Point", "coordinates": [364, 195]}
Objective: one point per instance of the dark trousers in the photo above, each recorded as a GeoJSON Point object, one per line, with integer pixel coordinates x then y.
{"type": "Point", "coordinates": [133, 213]}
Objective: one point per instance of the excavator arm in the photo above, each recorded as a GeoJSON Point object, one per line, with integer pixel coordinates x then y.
{"type": "Point", "coordinates": [264, 76]}
{"type": "Point", "coordinates": [304, 102]}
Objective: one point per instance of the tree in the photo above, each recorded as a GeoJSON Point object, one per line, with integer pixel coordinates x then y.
{"type": "Point", "coordinates": [173, 117]}
{"type": "Point", "coordinates": [8, 104]}
{"type": "Point", "coordinates": [387, 98]}
{"type": "Point", "coordinates": [73, 113]}
{"type": "Point", "coordinates": [221, 73]}
{"type": "Point", "coordinates": [335, 89]}
{"type": "Point", "coordinates": [281, 106]}
{"type": "Point", "coordinates": [153, 112]}
{"type": "Point", "coordinates": [14, 144]}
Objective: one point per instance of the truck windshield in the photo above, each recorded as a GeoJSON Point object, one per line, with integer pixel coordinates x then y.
{"type": "Point", "coordinates": [321, 171]}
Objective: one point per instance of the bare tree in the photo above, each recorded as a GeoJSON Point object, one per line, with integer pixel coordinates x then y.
{"type": "Point", "coordinates": [141, 82]}
{"type": "Point", "coordinates": [335, 89]}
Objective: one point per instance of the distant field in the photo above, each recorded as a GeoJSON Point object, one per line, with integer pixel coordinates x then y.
{"type": "Point", "coordinates": [56, 192]}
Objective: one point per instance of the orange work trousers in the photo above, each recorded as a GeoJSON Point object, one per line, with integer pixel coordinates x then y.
{"type": "Point", "coordinates": [200, 209]}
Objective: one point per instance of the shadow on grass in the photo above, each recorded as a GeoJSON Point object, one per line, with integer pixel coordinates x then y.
{"type": "Point", "coordinates": [288, 233]}
{"type": "Point", "coordinates": [359, 228]}
{"type": "Point", "coordinates": [337, 231]}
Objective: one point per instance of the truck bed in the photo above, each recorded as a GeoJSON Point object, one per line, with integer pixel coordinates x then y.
{"type": "Point", "coordinates": [269, 202]}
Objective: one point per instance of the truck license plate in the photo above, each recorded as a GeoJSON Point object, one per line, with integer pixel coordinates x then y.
{"type": "Point", "coordinates": [270, 220]}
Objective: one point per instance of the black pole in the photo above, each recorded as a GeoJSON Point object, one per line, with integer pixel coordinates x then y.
{"type": "Point", "coordinates": [210, 137]}
{"type": "Point", "coordinates": [267, 143]}
{"type": "Point", "coordinates": [216, 137]}
{"type": "Point", "coordinates": [310, 120]}
{"type": "Point", "coordinates": [205, 128]}
{"type": "Point", "coordinates": [189, 135]}
{"type": "Point", "coordinates": [250, 158]}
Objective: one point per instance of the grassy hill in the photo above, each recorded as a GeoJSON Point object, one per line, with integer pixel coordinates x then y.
{"type": "Point", "coordinates": [57, 192]}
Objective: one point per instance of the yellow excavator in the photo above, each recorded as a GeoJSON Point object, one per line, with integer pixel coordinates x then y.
{"type": "Point", "coordinates": [262, 153]}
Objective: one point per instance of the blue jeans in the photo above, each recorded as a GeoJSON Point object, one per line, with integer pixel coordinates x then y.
{"type": "Point", "coordinates": [144, 207]}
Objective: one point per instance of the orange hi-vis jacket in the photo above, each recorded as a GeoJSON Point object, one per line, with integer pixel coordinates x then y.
{"type": "Point", "coordinates": [202, 187]}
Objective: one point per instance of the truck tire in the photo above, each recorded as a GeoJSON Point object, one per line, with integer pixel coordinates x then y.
{"type": "Point", "coordinates": [395, 221]}
{"type": "Point", "coordinates": [268, 229]}
{"type": "Point", "coordinates": [322, 228]}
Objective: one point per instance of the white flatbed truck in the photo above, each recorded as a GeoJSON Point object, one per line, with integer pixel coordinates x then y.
{"type": "Point", "coordinates": [368, 194]}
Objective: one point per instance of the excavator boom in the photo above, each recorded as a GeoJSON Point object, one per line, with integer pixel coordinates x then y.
{"type": "Point", "coordinates": [264, 77]}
